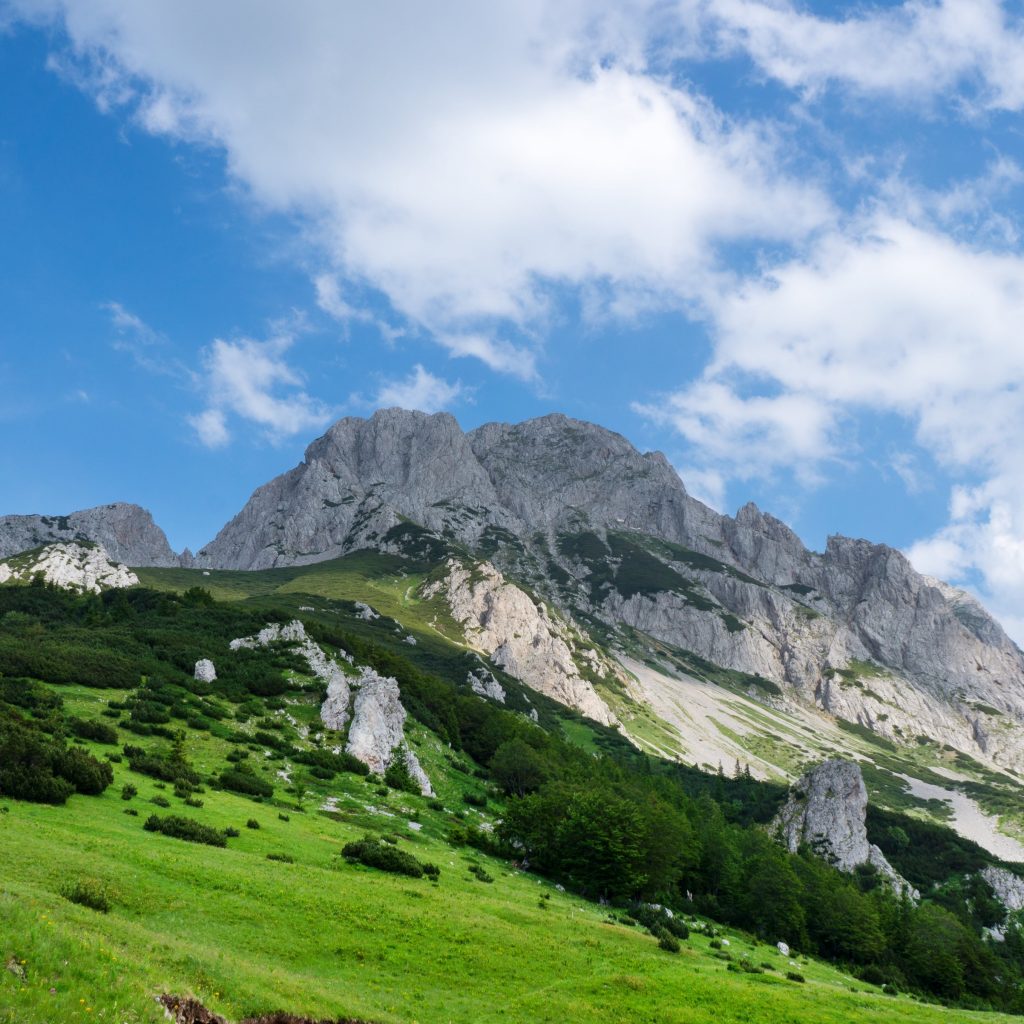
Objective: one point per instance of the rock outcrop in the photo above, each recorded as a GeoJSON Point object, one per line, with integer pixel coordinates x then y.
{"type": "Point", "coordinates": [205, 671]}
{"type": "Point", "coordinates": [483, 684]}
{"type": "Point", "coordinates": [827, 810]}
{"type": "Point", "coordinates": [126, 532]}
{"type": "Point", "coordinates": [518, 634]}
{"type": "Point", "coordinates": [1008, 887]}
{"type": "Point", "coordinates": [326, 669]}
{"type": "Point", "coordinates": [77, 565]}
{"type": "Point", "coordinates": [377, 733]}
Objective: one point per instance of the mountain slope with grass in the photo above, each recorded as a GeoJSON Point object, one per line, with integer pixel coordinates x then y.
{"type": "Point", "coordinates": [190, 836]}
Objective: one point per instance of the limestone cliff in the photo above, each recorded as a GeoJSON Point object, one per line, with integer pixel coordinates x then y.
{"type": "Point", "coordinates": [826, 810]}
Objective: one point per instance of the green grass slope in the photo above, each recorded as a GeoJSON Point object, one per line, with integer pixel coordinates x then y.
{"type": "Point", "coordinates": [320, 936]}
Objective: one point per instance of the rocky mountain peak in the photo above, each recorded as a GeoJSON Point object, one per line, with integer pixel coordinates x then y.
{"type": "Point", "coordinates": [127, 533]}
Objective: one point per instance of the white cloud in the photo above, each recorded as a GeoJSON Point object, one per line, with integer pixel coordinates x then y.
{"type": "Point", "coordinates": [252, 381]}
{"type": "Point", "coordinates": [912, 51]}
{"type": "Point", "coordinates": [888, 318]}
{"type": "Point", "coordinates": [420, 390]}
{"type": "Point", "coordinates": [502, 356]}
{"type": "Point", "coordinates": [460, 159]}
{"type": "Point", "coordinates": [211, 427]}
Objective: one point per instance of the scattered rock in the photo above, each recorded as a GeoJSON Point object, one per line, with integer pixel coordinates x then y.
{"type": "Point", "coordinates": [205, 671]}
{"type": "Point", "coordinates": [365, 612]}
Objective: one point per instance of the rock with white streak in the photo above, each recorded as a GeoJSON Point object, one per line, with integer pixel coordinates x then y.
{"type": "Point", "coordinates": [81, 566]}
{"type": "Point", "coordinates": [365, 612]}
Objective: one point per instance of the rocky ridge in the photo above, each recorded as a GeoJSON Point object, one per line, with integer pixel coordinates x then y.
{"type": "Point", "coordinates": [604, 532]}
{"type": "Point", "coordinates": [127, 532]}
{"type": "Point", "coordinates": [75, 566]}
{"type": "Point", "coordinates": [607, 536]}
{"type": "Point", "coordinates": [827, 810]}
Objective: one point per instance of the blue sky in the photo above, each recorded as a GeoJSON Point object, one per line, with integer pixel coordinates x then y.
{"type": "Point", "coordinates": [778, 241]}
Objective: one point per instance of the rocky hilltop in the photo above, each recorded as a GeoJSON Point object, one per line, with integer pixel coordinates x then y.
{"type": "Point", "coordinates": [80, 565]}
{"type": "Point", "coordinates": [127, 533]}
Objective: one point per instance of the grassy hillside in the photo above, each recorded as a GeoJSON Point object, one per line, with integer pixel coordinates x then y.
{"type": "Point", "coordinates": [320, 936]}
{"type": "Point", "coordinates": [99, 915]}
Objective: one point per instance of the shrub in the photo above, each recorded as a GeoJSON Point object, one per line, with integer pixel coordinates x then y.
{"type": "Point", "coordinates": [795, 976]}
{"type": "Point", "coordinates": [160, 801]}
{"type": "Point", "coordinates": [667, 941]}
{"type": "Point", "coordinates": [88, 729]}
{"type": "Point", "coordinates": [252, 823]}
{"type": "Point", "coordinates": [872, 974]}
{"type": "Point", "coordinates": [436, 805]}
{"type": "Point", "coordinates": [244, 783]}
{"type": "Point", "coordinates": [375, 854]}
{"type": "Point", "coordinates": [284, 858]}
{"type": "Point", "coordinates": [481, 874]}
{"type": "Point", "coordinates": [231, 833]}
{"type": "Point", "coordinates": [131, 810]}
{"type": "Point", "coordinates": [475, 799]}
{"type": "Point", "coordinates": [185, 828]}
{"type": "Point", "coordinates": [87, 893]}
{"type": "Point", "coordinates": [83, 771]}
{"type": "Point", "coordinates": [397, 776]}
{"type": "Point", "coordinates": [283, 817]}
{"type": "Point", "coordinates": [128, 791]}
{"type": "Point", "coordinates": [193, 801]}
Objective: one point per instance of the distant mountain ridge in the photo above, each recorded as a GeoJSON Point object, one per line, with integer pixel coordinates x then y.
{"type": "Point", "coordinates": [609, 536]}
{"type": "Point", "coordinates": [126, 531]}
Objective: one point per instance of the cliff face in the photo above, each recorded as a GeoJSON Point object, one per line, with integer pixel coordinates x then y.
{"type": "Point", "coordinates": [126, 532]}
{"type": "Point", "coordinates": [606, 533]}
{"type": "Point", "coordinates": [827, 810]}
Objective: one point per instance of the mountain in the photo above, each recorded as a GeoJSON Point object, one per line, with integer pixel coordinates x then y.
{"type": "Point", "coordinates": [611, 538]}
{"type": "Point", "coordinates": [126, 532]}
{"type": "Point", "coordinates": [570, 561]}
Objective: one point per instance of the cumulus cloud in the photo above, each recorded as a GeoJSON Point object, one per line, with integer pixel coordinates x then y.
{"type": "Point", "coordinates": [486, 153]}
{"type": "Point", "coordinates": [911, 51]}
{"type": "Point", "coordinates": [252, 381]}
{"type": "Point", "coordinates": [420, 390]}
{"type": "Point", "coordinates": [888, 317]}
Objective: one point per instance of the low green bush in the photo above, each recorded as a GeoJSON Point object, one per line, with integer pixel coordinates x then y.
{"type": "Point", "coordinates": [87, 892]}
{"type": "Point", "coordinates": [185, 828]}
